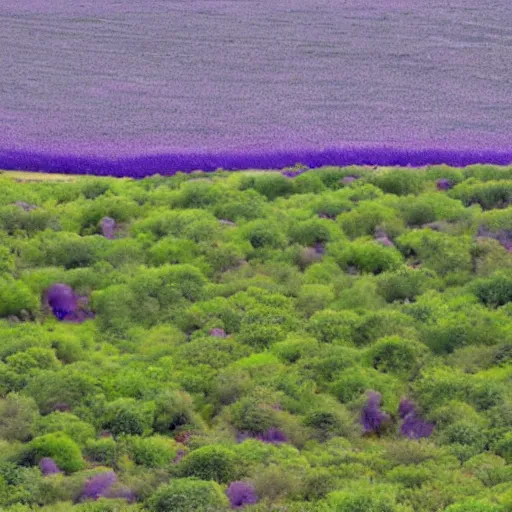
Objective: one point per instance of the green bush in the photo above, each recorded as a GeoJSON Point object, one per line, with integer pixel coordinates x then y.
{"type": "Point", "coordinates": [127, 416]}
{"type": "Point", "coordinates": [15, 296]}
{"type": "Point", "coordinates": [396, 355]}
{"type": "Point", "coordinates": [103, 451]}
{"type": "Point", "coordinates": [211, 463]}
{"type": "Point", "coordinates": [62, 449]}
{"type": "Point", "coordinates": [405, 284]}
{"type": "Point", "coordinates": [495, 290]}
{"type": "Point", "coordinates": [188, 495]}
{"type": "Point", "coordinates": [151, 452]}
{"type": "Point", "coordinates": [367, 256]}
{"type": "Point", "coordinates": [77, 430]}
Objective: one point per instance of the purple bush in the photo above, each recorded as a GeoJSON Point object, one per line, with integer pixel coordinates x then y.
{"type": "Point", "coordinates": [48, 466]}
{"type": "Point", "coordinates": [406, 407]}
{"type": "Point", "coordinates": [108, 226]}
{"type": "Point", "coordinates": [347, 180]}
{"type": "Point", "coordinates": [372, 418]}
{"type": "Point", "coordinates": [241, 494]}
{"type": "Point", "coordinates": [97, 486]}
{"type": "Point", "coordinates": [66, 305]}
{"type": "Point", "coordinates": [444, 184]}
{"type": "Point", "coordinates": [413, 426]}
{"type": "Point", "coordinates": [62, 300]}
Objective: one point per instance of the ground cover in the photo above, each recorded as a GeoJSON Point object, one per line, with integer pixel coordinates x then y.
{"type": "Point", "coordinates": [337, 339]}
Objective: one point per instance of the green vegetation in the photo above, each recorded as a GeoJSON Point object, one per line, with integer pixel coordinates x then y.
{"type": "Point", "coordinates": [250, 340]}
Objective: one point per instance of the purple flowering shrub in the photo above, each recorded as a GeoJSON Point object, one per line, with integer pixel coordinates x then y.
{"type": "Point", "coordinates": [241, 494]}
{"type": "Point", "coordinates": [97, 486]}
{"type": "Point", "coordinates": [413, 426]}
{"type": "Point", "coordinates": [65, 304]}
{"type": "Point", "coordinates": [48, 466]}
{"type": "Point", "coordinates": [372, 417]}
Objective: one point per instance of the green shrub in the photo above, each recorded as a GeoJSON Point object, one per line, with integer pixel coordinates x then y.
{"type": "Point", "coordinates": [102, 451]}
{"type": "Point", "coordinates": [367, 500]}
{"type": "Point", "coordinates": [269, 185]}
{"type": "Point", "coordinates": [495, 290]}
{"type": "Point", "coordinates": [329, 325]}
{"type": "Point", "coordinates": [62, 449]}
{"type": "Point", "coordinates": [396, 355]}
{"type": "Point", "coordinates": [405, 283]}
{"type": "Point", "coordinates": [15, 296]}
{"type": "Point", "coordinates": [492, 194]}
{"type": "Point", "coordinates": [211, 463]}
{"type": "Point", "coordinates": [188, 495]}
{"type": "Point", "coordinates": [151, 452]}
{"type": "Point", "coordinates": [367, 256]}
{"type": "Point", "coordinates": [77, 430]}
{"type": "Point", "coordinates": [127, 416]}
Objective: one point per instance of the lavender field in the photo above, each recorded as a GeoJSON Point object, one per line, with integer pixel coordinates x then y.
{"type": "Point", "coordinates": [128, 86]}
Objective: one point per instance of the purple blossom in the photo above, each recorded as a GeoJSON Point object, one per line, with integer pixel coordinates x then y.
{"type": "Point", "coordinates": [241, 494]}
{"type": "Point", "coordinates": [48, 466]}
{"type": "Point", "coordinates": [444, 184]}
{"type": "Point", "coordinates": [97, 486]}
{"type": "Point", "coordinates": [372, 418]}
{"type": "Point", "coordinates": [217, 333]}
{"type": "Point", "coordinates": [108, 226]}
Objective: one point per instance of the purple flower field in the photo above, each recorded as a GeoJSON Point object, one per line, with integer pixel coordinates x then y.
{"type": "Point", "coordinates": [136, 88]}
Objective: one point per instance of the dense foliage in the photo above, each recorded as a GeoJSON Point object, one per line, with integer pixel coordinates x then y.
{"type": "Point", "coordinates": [328, 340]}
